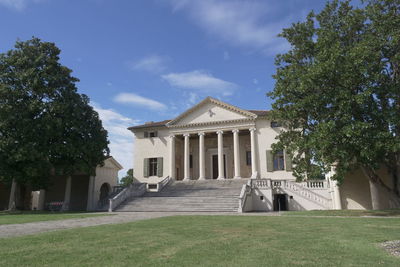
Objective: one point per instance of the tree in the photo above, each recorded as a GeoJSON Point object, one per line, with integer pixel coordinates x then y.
{"type": "Point", "coordinates": [127, 179]}
{"type": "Point", "coordinates": [46, 126]}
{"type": "Point", "coordinates": [338, 92]}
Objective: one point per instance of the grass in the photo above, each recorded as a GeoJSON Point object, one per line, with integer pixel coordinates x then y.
{"type": "Point", "coordinates": [38, 216]}
{"type": "Point", "coordinates": [351, 213]}
{"type": "Point", "coordinates": [212, 241]}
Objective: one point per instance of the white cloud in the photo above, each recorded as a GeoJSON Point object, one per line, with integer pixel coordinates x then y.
{"type": "Point", "coordinates": [121, 139]}
{"type": "Point", "coordinates": [18, 4]}
{"type": "Point", "coordinates": [140, 101]}
{"type": "Point", "coordinates": [255, 81]}
{"type": "Point", "coordinates": [241, 23]}
{"type": "Point", "coordinates": [201, 81]}
{"type": "Point", "coordinates": [153, 64]}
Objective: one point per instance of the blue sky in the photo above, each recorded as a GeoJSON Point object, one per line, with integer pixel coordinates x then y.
{"type": "Point", "coordinates": [149, 60]}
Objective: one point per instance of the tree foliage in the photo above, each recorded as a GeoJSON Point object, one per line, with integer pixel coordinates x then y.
{"type": "Point", "coordinates": [338, 91]}
{"type": "Point", "coordinates": [127, 179]}
{"type": "Point", "coordinates": [46, 126]}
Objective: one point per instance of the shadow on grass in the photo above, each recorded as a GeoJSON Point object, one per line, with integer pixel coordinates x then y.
{"type": "Point", "coordinates": [350, 213]}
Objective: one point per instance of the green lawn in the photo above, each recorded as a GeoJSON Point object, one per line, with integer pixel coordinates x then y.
{"type": "Point", "coordinates": [212, 241]}
{"type": "Point", "coordinates": [26, 217]}
{"type": "Point", "coordinates": [352, 213]}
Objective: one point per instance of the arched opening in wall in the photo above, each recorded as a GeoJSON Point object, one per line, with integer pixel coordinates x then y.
{"type": "Point", "coordinates": [105, 190]}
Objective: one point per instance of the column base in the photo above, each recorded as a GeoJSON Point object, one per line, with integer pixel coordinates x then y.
{"type": "Point", "coordinates": [202, 178]}
{"type": "Point", "coordinates": [221, 178]}
{"type": "Point", "coordinates": [237, 177]}
{"type": "Point", "coordinates": [186, 179]}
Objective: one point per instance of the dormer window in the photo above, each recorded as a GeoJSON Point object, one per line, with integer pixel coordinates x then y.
{"type": "Point", "coordinates": [150, 134]}
{"type": "Point", "coordinates": [275, 124]}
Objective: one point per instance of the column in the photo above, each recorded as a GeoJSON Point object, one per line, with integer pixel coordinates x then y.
{"type": "Point", "coordinates": [202, 159]}
{"type": "Point", "coordinates": [42, 197]}
{"type": "Point", "coordinates": [253, 153]}
{"type": "Point", "coordinates": [334, 190]}
{"type": "Point", "coordinates": [11, 202]}
{"type": "Point", "coordinates": [221, 174]}
{"type": "Point", "coordinates": [67, 194]}
{"type": "Point", "coordinates": [90, 205]}
{"type": "Point", "coordinates": [186, 159]}
{"type": "Point", "coordinates": [336, 194]}
{"type": "Point", "coordinates": [236, 154]}
{"type": "Point", "coordinates": [172, 165]}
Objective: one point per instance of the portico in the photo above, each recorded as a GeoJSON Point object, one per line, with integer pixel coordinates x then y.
{"type": "Point", "coordinates": [213, 154]}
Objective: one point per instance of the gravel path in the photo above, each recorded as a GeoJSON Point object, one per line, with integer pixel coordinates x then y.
{"type": "Point", "coordinates": [12, 230]}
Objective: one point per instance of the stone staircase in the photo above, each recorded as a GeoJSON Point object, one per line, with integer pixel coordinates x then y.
{"type": "Point", "coordinates": [189, 196]}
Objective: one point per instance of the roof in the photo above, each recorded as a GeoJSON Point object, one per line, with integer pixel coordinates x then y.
{"type": "Point", "coordinates": [150, 124]}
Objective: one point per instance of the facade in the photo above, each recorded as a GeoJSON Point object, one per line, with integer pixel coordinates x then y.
{"type": "Point", "coordinates": [215, 140]}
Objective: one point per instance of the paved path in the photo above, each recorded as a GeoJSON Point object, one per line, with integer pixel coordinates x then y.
{"type": "Point", "coordinates": [12, 230]}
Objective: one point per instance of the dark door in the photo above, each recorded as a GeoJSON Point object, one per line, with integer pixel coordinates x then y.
{"type": "Point", "coordinates": [280, 202]}
{"type": "Point", "coordinates": [215, 166]}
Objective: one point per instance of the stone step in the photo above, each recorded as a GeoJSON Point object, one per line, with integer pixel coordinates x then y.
{"type": "Point", "coordinates": [209, 195]}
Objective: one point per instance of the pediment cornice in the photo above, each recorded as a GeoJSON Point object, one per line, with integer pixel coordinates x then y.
{"type": "Point", "coordinates": [249, 115]}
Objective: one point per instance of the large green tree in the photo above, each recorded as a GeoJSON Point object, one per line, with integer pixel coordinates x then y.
{"type": "Point", "coordinates": [338, 92]}
{"type": "Point", "coordinates": [46, 126]}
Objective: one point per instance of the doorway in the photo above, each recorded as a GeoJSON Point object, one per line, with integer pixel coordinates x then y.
{"type": "Point", "coordinates": [280, 202]}
{"type": "Point", "coordinates": [215, 166]}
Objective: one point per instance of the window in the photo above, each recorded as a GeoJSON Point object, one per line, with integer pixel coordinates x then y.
{"type": "Point", "coordinates": [279, 161]}
{"type": "Point", "coordinates": [275, 124]}
{"type": "Point", "coordinates": [248, 158]}
{"type": "Point", "coordinates": [152, 166]}
{"type": "Point", "coordinates": [150, 134]}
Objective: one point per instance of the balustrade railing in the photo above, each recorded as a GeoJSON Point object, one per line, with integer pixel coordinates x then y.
{"type": "Point", "coordinates": [260, 183]}
{"type": "Point", "coordinates": [244, 193]}
{"type": "Point", "coordinates": [131, 191]}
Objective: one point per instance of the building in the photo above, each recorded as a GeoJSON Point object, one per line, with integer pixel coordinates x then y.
{"type": "Point", "coordinates": [215, 140]}
{"type": "Point", "coordinates": [76, 192]}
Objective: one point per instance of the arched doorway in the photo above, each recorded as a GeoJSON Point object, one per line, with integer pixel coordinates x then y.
{"type": "Point", "coordinates": [104, 191]}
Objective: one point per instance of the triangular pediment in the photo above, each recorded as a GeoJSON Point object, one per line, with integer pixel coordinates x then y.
{"type": "Point", "coordinates": [211, 110]}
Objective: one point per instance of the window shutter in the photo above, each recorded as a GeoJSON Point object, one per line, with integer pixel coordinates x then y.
{"type": "Point", "coordinates": [270, 161]}
{"type": "Point", "coordinates": [288, 161]}
{"type": "Point", "coordinates": [159, 167]}
{"type": "Point", "coordinates": [146, 167]}
{"type": "Point", "coordinates": [146, 134]}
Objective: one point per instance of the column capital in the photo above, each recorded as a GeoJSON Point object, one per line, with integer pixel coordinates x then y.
{"type": "Point", "coordinates": [172, 136]}
{"type": "Point", "coordinates": [235, 130]}
{"type": "Point", "coordinates": [220, 132]}
{"type": "Point", "coordinates": [253, 129]}
{"type": "Point", "coordinates": [201, 134]}
{"type": "Point", "coordinates": [186, 134]}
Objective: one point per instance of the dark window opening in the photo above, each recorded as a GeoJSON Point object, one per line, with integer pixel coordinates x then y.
{"type": "Point", "coordinates": [152, 186]}
{"type": "Point", "coordinates": [153, 166]}
{"type": "Point", "coordinates": [191, 161]}
{"type": "Point", "coordinates": [248, 158]}
{"type": "Point", "coordinates": [153, 134]}
{"type": "Point", "coordinates": [275, 124]}
{"type": "Point", "coordinates": [279, 161]}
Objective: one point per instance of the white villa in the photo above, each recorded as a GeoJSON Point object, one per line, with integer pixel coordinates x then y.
{"type": "Point", "coordinates": [215, 142]}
